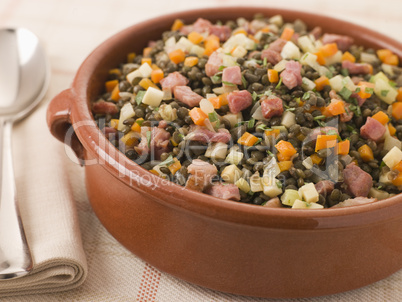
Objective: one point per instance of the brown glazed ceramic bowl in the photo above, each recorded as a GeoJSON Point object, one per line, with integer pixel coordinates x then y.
{"type": "Point", "coordinates": [224, 245]}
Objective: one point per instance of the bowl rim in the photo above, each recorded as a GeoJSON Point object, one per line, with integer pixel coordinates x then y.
{"type": "Point", "coordinates": [202, 204]}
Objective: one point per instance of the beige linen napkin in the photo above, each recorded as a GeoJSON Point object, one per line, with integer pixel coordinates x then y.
{"type": "Point", "coordinates": [47, 209]}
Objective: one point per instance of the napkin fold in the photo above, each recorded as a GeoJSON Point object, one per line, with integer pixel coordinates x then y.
{"type": "Point", "coordinates": [47, 209]}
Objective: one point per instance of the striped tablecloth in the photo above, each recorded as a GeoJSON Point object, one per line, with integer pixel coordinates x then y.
{"type": "Point", "coordinates": [70, 29]}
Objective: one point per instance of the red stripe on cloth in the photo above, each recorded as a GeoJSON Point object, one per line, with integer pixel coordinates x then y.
{"type": "Point", "coordinates": [149, 284]}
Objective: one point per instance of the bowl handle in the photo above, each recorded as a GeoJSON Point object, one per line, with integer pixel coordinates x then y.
{"type": "Point", "coordinates": [59, 122]}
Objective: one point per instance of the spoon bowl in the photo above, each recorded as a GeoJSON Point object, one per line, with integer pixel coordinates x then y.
{"type": "Point", "coordinates": [24, 78]}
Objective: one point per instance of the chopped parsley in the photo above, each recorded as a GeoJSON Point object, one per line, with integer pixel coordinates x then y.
{"type": "Point", "coordinates": [319, 117]}
{"type": "Point", "coordinates": [264, 62]}
{"type": "Point", "coordinates": [270, 153]}
{"type": "Point", "coordinates": [345, 72]}
{"type": "Point", "coordinates": [306, 95]}
{"type": "Point", "coordinates": [369, 90]}
{"type": "Point", "coordinates": [263, 127]}
{"type": "Point", "coordinates": [213, 117]}
{"type": "Point", "coordinates": [382, 164]}
{"type": "Point", "coordinates": [356, 109]}
{"type": "Point", "coordinates": [139, 96]}
{"type": "Point", "coordinates": [279, 184]}
{"type": "Point", "coordinates": [384, 93]}
{"type": "Point", "coordinates": [351, 129]}
{"type": "Point", "coordinates": [148, 136]}
{"type": "Point", "coordinates": [345, 93]}
{"type": "Point", "coordinates": [244, 81]}
{"type": "Point", "coordinates": [228, 83]}
{"type": "Point", "coordinates": [168, 161]}
{"type": "Point", "coordinates": [250, 123]}
{"type": "Point", "coordinates": [258, 141]}
{"type": "Point", "coordinates": [254, 96]}
{"type": "Point", "coordinates": [217, 78]}
{"type": "Point", "coordinates": [222, 67]}
{"type": "Point", "coordinates": [279, 84]}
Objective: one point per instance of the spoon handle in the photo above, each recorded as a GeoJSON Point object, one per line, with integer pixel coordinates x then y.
{"type": "Point", "coordinates": [15, 257]}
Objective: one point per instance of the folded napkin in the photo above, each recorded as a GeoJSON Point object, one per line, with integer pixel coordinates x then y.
{"type": "Point", "coordinates": [47, 209]}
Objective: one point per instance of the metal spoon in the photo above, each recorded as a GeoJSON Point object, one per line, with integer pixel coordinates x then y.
{"type": "Point", "coordinates": [24, 78]}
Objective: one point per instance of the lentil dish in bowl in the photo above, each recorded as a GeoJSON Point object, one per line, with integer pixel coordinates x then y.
{"type": "Point", "coordinates": [223, 244]}
{"type": "Point", "coordinates": [261, 111]}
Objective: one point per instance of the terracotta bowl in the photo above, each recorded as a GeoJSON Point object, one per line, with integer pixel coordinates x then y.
{"type": "Point", "coordinates": [224, 245]}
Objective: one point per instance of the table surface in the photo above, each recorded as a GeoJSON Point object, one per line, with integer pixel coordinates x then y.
{"type": "Point", "coordinates": [70, 29]}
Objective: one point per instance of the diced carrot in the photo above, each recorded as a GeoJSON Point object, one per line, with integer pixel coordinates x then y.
{"type": "Point", "coordinates": [343, 147]}
{"type": "Point", "coordinates": [115, 71]}
{"type": "Point", "coordinates": [336, 107]}
{"type": "Point", "coordinates": [399, 95]}
{"type": "Point", "coordinates": [366, 153]}
{"type": "Point", "coordinates": [329, 50]}
{"type": "Point", "coordinates": [146, 83]}
{"type": "Point", "coordinates": [177, 56]}
{"type": "Point", "coordinates": [130, 139]}
{"type": "Point", "coordinates": [154, 67]}
{"type": "Point", "coordinates": [316, 159]}
{"type": "Point", "coordinates": [146, 51]}
{"type": "Point", "coordinates": [282, 157]}
{"type": "Point", "coordinates": [265, 29]}
{"type": "Point", "coordinates": [198, 116]}
{"type": "Point", "coordinates": [287, 33]}
{"type": "Point", "coordinates": [174, 167]}
{"type": "Point", "coordinates": [392, 60]}
{"type": "Point", "coordinates": [397, 181]}
{"type": "Point", "coordinates": [146, 60]}
{"type": "Point", "coordinates": [195, 37]}
{"type": "Point", "coordinates": [130, 57]}
{"type": "Point", "coordinates": [321, 82]}
{"type": "Point", "coordinates": [320, 58]}
{"type": "Point", "coordinates": [397, 110]}
{"type": "Point", "coordinates": [224, 98]}
{"type": "Point", "coordinates": [247, 139]}
{"type": "Point", "coordinates": [109, 85]}
{"type": "Point", "coordinates": [250, 36]}
{"type": "Point", "coordinates": [273, 76]}
{"type": "Point", "coordinates": [386, 56]}
{"type": "Point", "coordinates": [211, 44]}
{"type": "Point", "coordinates": [239, 31]}
{"type": "Point", "coordinates": [325, 141]}
{"type": "Point", "coordinates": [273, 132]}
{"type": "Point", "coordinates": [398, 167]}
{"type": "Point", "coordinates": [366, 89]}
{"type": "Point", "coordinates": [391, 129]}
{"type": "Point", "coordinates": [154, 172]}
{"type": "Point", "coordinates": [285, 165]}
{"type": "Point", "coordinates": [216, 102]}
{"type": "Point", "coordinates": [115, 93]}
{"type": "Point", "coordinates": [157, 75]}
{"type": "Point", "coordinates": [383, 53]}
{"type": "Point", "coordinates": [325, 111]}
{"type": "Point", "coordinates": [139, 121]}
{"type": "Point", "coordinates": [177, 24]}
{"type": "Point", "coordinates": [381, 117]}
{"type": "Point", "coordinates": [136, 128]}
{"type": "Point", "coordinates": [347, 56]}
{"type": "Point", "coordinates": [190, 61]}
{"type": "Point", "coordinates": [286, 148]}
{"type": "Point", "coordinates": [114, 123]}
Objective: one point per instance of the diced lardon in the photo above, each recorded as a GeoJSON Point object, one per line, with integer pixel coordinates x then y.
{"type": "Point", "coordinates": [224, 191]}
{"type": "Point", "coordinates": [239, 100]}
{"type": "Point", "coordinates": [372, 129]}
{"type": "Point", "coordinates": [358, 182]}
{"type": "Point", "coordinates": [172, 80]}
{"type": "Point", "coordinates": [201, 176]}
